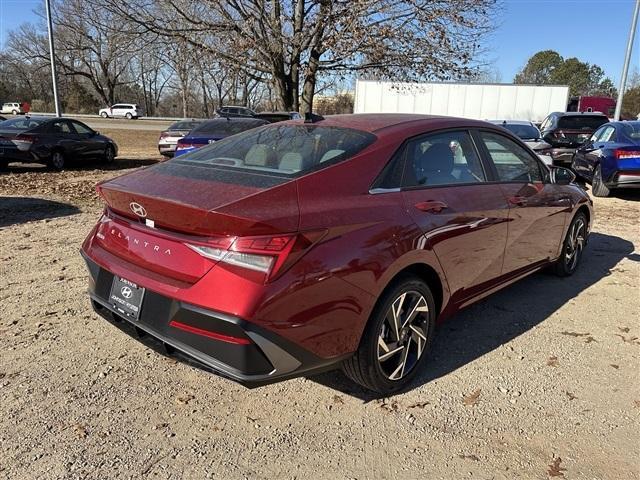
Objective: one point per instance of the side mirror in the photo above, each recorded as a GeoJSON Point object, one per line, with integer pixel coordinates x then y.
{"type": "Point", "coordinates": [95, 133]}
{"type": "Point", "coordinates": [562, 176]}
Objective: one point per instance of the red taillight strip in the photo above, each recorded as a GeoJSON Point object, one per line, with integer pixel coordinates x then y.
{"type": "Point", "coordinates": [209, 334]}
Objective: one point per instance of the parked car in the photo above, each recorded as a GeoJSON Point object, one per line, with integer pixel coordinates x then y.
{"type": "Point", "coordinates": [605, 105]}
{"type": "Point", "coordinates": [299, 247]}
{"type": "Point", "coordinates": [213, 130]}
{"type": "Point", "coordinates": [14, 108]}
{"type": "Point", "coordinates": [610, 159]}
{"type": "Point", "coordinates": [529, 134]}
{"type": "Point", "coordinates": [273, 117]}
{"type": "Point", "coordinates": [123, 110]}
{"type": "Point", "coordinates": [169, 138]}
{"type": "Point", "coordinates": [566, 131]}
{"type": "Point", "coordinates": [52, 141]}
{"type": "Point", "coordinates": [235, 111]}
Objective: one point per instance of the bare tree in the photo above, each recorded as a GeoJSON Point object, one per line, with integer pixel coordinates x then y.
{"type": "Point", "coordinates": [294, 41]}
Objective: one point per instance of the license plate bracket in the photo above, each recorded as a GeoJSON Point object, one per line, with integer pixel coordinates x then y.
{"type": "Point", "coordinates": [126, 297]}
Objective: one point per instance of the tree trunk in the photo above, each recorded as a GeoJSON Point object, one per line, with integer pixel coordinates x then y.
{"type": "Point", "coordinates": [309, 87]}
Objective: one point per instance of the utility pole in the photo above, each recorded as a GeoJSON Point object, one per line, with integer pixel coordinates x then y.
{"type": "Point", "coordinates": [627, 60]}
{"type": "Point", "coordinates": [54, 79]}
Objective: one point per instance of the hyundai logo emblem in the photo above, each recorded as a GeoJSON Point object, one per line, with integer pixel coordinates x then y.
{"type": "Point", "coordinates": [126, 292]}
{"type": "Point", "coordinates": [138, 209]}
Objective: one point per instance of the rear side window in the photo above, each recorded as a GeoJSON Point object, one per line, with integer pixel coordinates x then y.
{"type": "Point", "coordinates": [446, 158]}
{"type": "Point", "coordinates": [608, 135]}
{"type": "Point", "coordinates": [513, 163]}
{"type": "Point", "coordinates": [579, 122]}
{"type": "Point", "coordinates": [287, 150]}
{"type": "Point", "coordinates": [631, 130]}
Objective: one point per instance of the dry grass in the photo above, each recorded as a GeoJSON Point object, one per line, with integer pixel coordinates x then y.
{"type": "Point", "coordinates": [134, 143]}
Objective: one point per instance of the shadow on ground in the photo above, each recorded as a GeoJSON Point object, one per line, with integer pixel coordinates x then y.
{"type": "Point", "coordinates": [17, 210]}
{"type": "Point", "coordinates": [492, 322]}
{"type": "Point", "coordinates": [85, 165]}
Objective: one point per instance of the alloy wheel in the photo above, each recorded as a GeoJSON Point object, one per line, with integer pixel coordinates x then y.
{"type": "Point", "coordinates": [575, 244]}
{"type": "Point", "coordinates": [57, 160]}
{"type": "Point", "coordinates": [403, 335]}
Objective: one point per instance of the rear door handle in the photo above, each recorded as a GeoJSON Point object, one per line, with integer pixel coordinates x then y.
{"type": "Point", "coordinates": [518, 201]}
{"type": "Point", "coordinates": [431, 206]}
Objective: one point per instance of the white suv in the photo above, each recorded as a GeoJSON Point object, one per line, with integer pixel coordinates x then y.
{"type": "Point", "coordinates": [126, 110]}
{"type": "Point", "coordinates": [13, 108]}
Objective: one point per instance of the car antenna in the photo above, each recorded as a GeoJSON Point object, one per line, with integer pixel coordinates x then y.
{"type": "Point", "coordinates": [312, 117]}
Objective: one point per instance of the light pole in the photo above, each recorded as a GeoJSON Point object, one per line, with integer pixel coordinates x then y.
{"type": "Point", "coordinates": [627, 60]}
{"type": "Point", "coordinates": [54, 79]}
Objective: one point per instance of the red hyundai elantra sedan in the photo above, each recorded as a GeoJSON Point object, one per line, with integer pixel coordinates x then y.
{"type": "Point", "coordinates": [303, 246]}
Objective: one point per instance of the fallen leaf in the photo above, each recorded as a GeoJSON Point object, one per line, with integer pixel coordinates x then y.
{"type": "Point", "coordinates": [552, 361]}
{"type": "Point", "coordinates": [571, 395]}
{"type": "Point", "coordinates": [624, 329]}
{"type": "Point", "coordinates": [389, 407]}
{"type": "Point", "coordinates": [184, 399]}
{"type": "Point", "coordinates": [419, 405]}
{"type": "Point", "coordinates": [80, 430]}
{"type": "Point", "coordinates": [338, 399]}
{"type": "Point", "coordinates": [574, 334]}
{"type": "Point", "coordinates": [637, 403]}
{"type": "Point", "coordinates": [589, 339]}
{"type": "Point", "coordinates": [555, 470]}
{"type": "Point", "coordinates": [615, 366]}
{"type": "Point", "coordinates": [472, 398]}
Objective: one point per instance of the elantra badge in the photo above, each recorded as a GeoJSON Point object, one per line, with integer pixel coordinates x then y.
{"type": "Point", "coordinates": [138, 209]}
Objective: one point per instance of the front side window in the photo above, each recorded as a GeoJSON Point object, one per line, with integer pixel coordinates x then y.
{"type": "Point", "coordinates": [81, 128]}
{"type": "Point", "coordinates": [446, 158]}
{"type": "Point", "coordinates": [60, 126]}
{"type": "Point", "coordinates": [513, 163]}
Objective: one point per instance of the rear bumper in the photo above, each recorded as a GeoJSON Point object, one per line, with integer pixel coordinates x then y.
{"type": "Point", "coordinates": [259, 357]}
{"type": "Point", "coordinates": [562, 157]}
{"type": "Point", "coordinates": [624, 180]}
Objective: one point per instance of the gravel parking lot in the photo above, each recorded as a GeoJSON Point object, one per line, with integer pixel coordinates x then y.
{"type": "Point", "coordinates": [540, 380]}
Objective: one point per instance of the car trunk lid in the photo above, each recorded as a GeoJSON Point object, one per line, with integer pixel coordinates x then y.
{"type": "Point", "coordinates": [181, 204]}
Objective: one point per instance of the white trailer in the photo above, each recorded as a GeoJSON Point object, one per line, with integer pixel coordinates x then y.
{"type": "Point", "coordinates": [481, 101]}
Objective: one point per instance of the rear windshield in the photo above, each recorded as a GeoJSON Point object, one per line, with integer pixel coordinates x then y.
{"type": "Point", "coordinates": [582, 122]}
{"type": "Point", "coordinates": [224, 127]}
{"type": "Point", "coordinates": [184, 125]}
{"type": "Point", "coordinates": [631, 130]}
{"type": "Point", "coordinates": [284, 150]}
{"type": "Point", "coordinates": [525, 132]}
{"type": "Point", "coordinates": [21, 124]}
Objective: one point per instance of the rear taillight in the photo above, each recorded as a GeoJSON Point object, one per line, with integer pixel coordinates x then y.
{"type": "Point", "coordinates": [185, 145]}
{"type": "Point", "coordinates": [24, 141]}
{"type": "Point", "coordinates": [265, 254]}
{"type": "Point", "coordinates": [626, 154]}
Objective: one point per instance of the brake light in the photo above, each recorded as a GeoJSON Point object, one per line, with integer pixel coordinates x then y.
{"type": "Point", "coordinates": [266, 254]}
{"type": "Point", "coordinates": [185, 145]}
{"type": "Point", "coordinates": [626, 154]}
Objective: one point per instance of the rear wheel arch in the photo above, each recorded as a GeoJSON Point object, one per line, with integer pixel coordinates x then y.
{"type": "Point", "coordinates": [424, 272]}
{"type": "Point", "coordinates": [585, 210]}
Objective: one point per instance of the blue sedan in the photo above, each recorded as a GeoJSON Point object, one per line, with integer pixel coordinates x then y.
{"type": "Point", "coordinates": [213, 130]}
{"type": "Point", "coordinates": [610, 159]}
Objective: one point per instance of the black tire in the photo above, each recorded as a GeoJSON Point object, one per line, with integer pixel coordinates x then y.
{"type": "Point", "coordinates": [57, 160]}
{"type": "Point", "coordinates": [129, 116]}
{"type": "Point", "coordinates": [14, 112]}
{"type": "Point", "coordinates": [598, 188]}
{"type": "Point", "coordinates": [367, 366]}
{"type": "Point", "coordinates": [4, 165]}
{"type": "Point", "coordinates": [572, 246]}
{"type": "Point", "coordinates": [109, 154]}
{"type": "Point", "coordinates": [104, 115]}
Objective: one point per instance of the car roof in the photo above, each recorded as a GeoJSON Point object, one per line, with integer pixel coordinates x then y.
{"type": "Point", "coordinates": [579, 114]}
{"type": "Point", "coordinates": [377, 122]}
{"type": "Point", "coordinates": [511, 122]}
